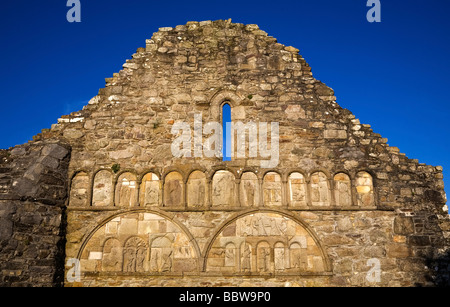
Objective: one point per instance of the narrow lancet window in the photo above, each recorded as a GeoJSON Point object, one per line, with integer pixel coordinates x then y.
{"type": "Point", "coordinates": [226, 128]}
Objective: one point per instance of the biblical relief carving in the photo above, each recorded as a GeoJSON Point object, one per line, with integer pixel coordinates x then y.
{"type": "Point", "coordinates": [263, 257]}
{"type": "Point", "coordinates": [161, 254]}
{"type": "Point", "coordinates": [297, 257]}
{"type": "Point", "coordinates": [79, 190]}
{"type": "Point", "coordinates": [134, 255]}
{"type": "Point", "coordinates": [196, 189]}
{"type": "Point", "coordinates": [279, 257]}
{"type": "Point", "coordinates": [272, 189]}
{"type": "Point", "coordinates": [101, 194]}
{"type": "Point", "coordinates": [268, 243]}
{"type": "Point", "coordinates": [223, 189]}
{"type": "Point", "coordinates": [319, 190]}
{"type": "Point", "coordinates": [342, 190]}
{"type": "Point", "coordinates": [139, 242]}
{"type": "Point", "coordinates": [260, 225]}
{"type": "Point", "coordinates": [364, 189]}
{"type": "Point", "coordinates": [249, 190]}
{"type": "Point", "coordinates": [246, 257]}
{"type": "Point", "coordinates": [173, 190]}
{"type": "Point", "coordinates": [230, 255]}
{"type": "Point", "coordinates": [297, 190]}
{"type": "Point", "coordinates": [150, 190]}
{"type": "Point", "coordinates": [112, 255]}
{"type": "Point", "coordinates": [126, 190]}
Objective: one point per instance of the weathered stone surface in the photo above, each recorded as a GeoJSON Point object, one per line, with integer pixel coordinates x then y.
{"type": "Point", "coordinates": [338, 199]}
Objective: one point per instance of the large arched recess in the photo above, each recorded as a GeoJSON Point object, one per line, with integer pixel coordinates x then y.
{"type": "Point", "coordinates": [140, 240]}
{"type": "Point", "coordinates": [265, 241]}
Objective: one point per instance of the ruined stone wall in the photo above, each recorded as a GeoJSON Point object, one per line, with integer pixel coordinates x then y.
{"type": "Point", "coordinates": [33, 191]}
{"type": "Point", "coordinates": [339, 197]}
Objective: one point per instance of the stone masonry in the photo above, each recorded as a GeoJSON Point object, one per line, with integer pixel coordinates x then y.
{"type": "Point", "coordinates": [102, 186]}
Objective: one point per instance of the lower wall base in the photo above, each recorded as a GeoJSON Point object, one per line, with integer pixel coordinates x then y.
{"type": "Point", "coordinates": [202, 281]}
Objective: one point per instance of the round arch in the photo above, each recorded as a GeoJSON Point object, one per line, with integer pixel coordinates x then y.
{"type": "Point", "coordinates": [281, 212]}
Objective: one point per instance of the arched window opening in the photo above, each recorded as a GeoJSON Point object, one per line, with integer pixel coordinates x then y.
{"type": "Point", "coordinates": [226, 128]}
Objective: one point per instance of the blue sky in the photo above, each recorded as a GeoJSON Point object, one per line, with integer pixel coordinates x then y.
{"type": "Point", "coordinates": [393, 75]}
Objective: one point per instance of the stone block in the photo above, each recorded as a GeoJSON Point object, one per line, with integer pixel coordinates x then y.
{"type": "Point", "coordinates": [403, 225]}
{"type": "Point", "coordinates": [335, 134]}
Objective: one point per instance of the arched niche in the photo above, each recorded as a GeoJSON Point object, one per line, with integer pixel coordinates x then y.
{"type": "Point", "coordinates": [320, 190]}
{"type": "Point", "coordinates": [112, 255]}
{"type": "Point", "coordinates": [364, 189]}
{"type": "Point", "coordinates": [173, 190]}
{"type": "Point", "coordinates": [281, 259]}
{"type": "Point", "coordinates": [342, 190]}
{"type": "Point", "coordinates": [102, 189]}
{"type": "Point", "coordinates": [197, 190]}
{"type": "Point", "coordinates": [297, 190]}
{"type": "Point", "coordinates": [249, 190]}
{"type": "Point", "coordinates": [139, 241]}
{"type": "Point", "coordinates": [126, 187]}
{"type": "Point", "coordinates": [223, 189]}
{"type": "Point", "coordinates": [272, 190]}
{"type": "Point", "coordinates": [266, 241]}
{"type": "Point", "coordinates": [79, 190]}
{"type": "Point", "coordinates": [150, 191]}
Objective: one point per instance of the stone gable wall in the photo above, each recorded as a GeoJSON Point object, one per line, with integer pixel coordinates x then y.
{"type": "Point", "coordinates": [339, 197]}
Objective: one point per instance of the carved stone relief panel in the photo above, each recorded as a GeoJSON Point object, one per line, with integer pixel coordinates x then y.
{"type": "Point", "coordinates": [139, 243]}
{"type": "Point", "coordinates": [150, 191]}
{"type": "Point", "coordinates": [173, 190]}
{"type": "Point", "coordinates": [265, 243]}
{"type": "Point", "coordinates": [320, 192]}
{"type": "Point", "coordinates": [112, 256]}
{"type": "Point", "coordinates": [297, 190]}
{"type": "Point", "coordinates": [125, 195]}
{"type": "Point", "coordinates": [79, 190]}
{"type": "Point", "coordinates": [249, 190]}
{"type": "Point", "coordinates": [102, 189]}
{"type": "Point", "coordinates": [197, 189]}
{"type": "Point", "coordinates": [342, 190]}
{"type": "Point", "coordinates": [134, 255]}
{"type": "Point", "coordinates": [223, 184]}
{"type": "Point", "coordinates": [263, 257]}
{"type": "Point", "coordinates": [280, 257]}
{"type": "Point", "coordinates": [272, 189]}
{"type": "Point", "coordinates": [364, 189]}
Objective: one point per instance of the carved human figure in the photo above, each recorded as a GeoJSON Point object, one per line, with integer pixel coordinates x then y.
{"type": "Point", "coordinates": [223, 189]}
{"type": "Point", "coordinates": [319, 189]}
{"type": "Point", "coordinates": [342, 190]}
{"type": "Point", "coordinates": [246, 258]}
{"type": "Point", "coordinates": [230, 255]}
{"type": "Point", "coordinates": [166, 265]}
{"type": "Point", "coordinates": [150, 190]}
{"type": "Point", "coordinates": [126, 190]}
{"type": "Point", "coordinates": [174, 193]}
{"type": "Point", "coordinates": [263, 259]}
{"type": "Point", "coordinates": [129, 260]}
{"type": "Point", "coordinates": [272, 189]}
{"type": "Point", "coordinates": [155, 260]}
{"type": "Point", "coordinates": [249, 190]}
{"type": "Point", "coordinates": [196, 189]}
{"type": "Point", "coordinates": [297, 190]}
{"type": "Point", "coordinates": [111, 257]}
{"type": "Point", "coordinates": [140, 258]}
{"type": "Point", "coordinates": [250, 193]}
{"type": "Point", "coordinates": [279, 255]}
{"type": "Point", "coordinates": [134, 255]}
